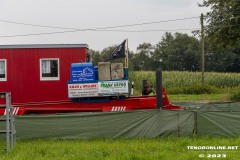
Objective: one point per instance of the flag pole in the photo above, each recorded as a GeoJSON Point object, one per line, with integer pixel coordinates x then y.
{"type": "Point", "coordinates": [126, 58]}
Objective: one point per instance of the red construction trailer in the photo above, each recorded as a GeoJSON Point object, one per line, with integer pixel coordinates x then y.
{"type": "Point", "coordinates": [38, 78]}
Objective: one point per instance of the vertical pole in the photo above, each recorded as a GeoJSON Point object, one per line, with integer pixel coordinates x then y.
{"type": "Point", "coordinates": [202, 49]}
{"type": "Point", "coordinates": [159, 89]}
{"type": "Point", "coordinates": [12, 122]}
{"type": "Point", "coordinates": [7, 122]}
{"type": "Point", "coordinates": [143, 84]}
{"type": "Point", "coordinates": [132, 87]}
{"type": "Point", "coordinates": [126, 58]}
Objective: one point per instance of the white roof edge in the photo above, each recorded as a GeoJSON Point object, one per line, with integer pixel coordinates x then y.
{"type": "Point", "coordinates": [43, 46]}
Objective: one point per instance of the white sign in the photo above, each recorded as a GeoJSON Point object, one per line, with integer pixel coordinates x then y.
{"type": "Point", "coordinates": [112, 87]}
{"type": "Point", "coordinates": [82, 90]}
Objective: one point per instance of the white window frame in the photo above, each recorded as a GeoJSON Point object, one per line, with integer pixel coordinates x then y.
{"type": "Point", "coordinates": [49, 78]}
{"type": "Point", "coordinates": [4, 79]}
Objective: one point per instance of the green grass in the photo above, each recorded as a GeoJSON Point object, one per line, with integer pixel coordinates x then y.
{"type": "Point", "coordinates": [169, 148]}
{"type": "Point", "coordinates": [198, 98]}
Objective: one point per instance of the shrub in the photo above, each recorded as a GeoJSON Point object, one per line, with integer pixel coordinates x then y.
{"type": "Point", "coordinates": [235, 95]}
{"type": "Point", "coordinates": [193, 89]}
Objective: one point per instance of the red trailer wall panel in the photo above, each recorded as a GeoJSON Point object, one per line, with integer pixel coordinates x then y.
{"type": "Point", "coordinates": [23, 73]}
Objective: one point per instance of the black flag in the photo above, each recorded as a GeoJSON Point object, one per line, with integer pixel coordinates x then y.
{"type": "Point", "coordinates": [119, 51]}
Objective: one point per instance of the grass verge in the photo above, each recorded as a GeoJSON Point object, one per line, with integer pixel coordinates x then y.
{"type": "Point", "coordinates": [199, 98]}
{"type": "Point", "coordinates": [122, 149]}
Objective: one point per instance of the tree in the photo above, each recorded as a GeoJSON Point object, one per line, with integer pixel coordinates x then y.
{"type": "Point", "coordinates": [223, 23]}
{"type": "Point", "coordinates": [162, 49]}
{"type": "Point", "coordinates": [142, 60]}
{"type": "Point", "coordinates": [223, 61]}
{"type": "Point", "coordinates": [178, 52]}
{"type": "Point", "coordinates": [95, 57]}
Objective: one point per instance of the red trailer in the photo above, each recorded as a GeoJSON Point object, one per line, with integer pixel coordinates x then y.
{"type": "Point", "coordinates": [37, 76]}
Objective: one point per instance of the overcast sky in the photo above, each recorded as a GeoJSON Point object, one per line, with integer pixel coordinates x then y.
{"type": "Point", "coordinates": [95, 14]}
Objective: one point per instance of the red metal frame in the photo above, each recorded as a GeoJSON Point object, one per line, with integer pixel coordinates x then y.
{"type": "Point", "coordinates": [130, 103]}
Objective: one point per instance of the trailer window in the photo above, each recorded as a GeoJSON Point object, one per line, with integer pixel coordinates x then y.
{"type": "Point", "coordinates": [3, 70]}
{"type": "Point", "coordinates": [49, 69]}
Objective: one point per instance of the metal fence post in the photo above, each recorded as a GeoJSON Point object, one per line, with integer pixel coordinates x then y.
{"type": "Point", "coordinates": [159, 89]}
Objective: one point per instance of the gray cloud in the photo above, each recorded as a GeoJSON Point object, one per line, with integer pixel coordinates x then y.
{"type": "Point", "coordinates": [94, 14]}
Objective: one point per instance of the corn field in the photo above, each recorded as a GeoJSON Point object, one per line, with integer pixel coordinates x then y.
{"type": "Point", "coordinates": [175, 79]}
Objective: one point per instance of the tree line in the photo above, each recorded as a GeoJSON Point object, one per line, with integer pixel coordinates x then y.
{"type": "Point", "coordinates": [182, 52]}
{"type": "Point", "coordinates": [175, 52]}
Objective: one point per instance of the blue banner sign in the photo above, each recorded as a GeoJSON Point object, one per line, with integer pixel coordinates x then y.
{"type": "Point", "coordinates": [82, 73]}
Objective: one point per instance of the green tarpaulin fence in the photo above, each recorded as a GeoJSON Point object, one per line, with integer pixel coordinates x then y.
{"type": "Point", "coordinates": [221, 123]}
{"type": "Point", "coordinates": [214, 119]}
{"type": "Point", "coordinates": [144, 123]}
